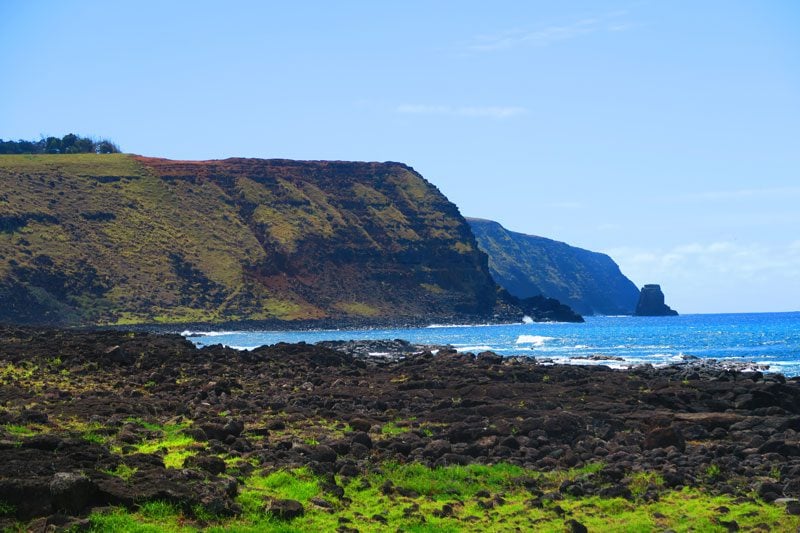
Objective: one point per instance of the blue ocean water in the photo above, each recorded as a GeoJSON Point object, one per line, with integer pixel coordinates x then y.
{"type": "Point", "coordinates": [765, 338]}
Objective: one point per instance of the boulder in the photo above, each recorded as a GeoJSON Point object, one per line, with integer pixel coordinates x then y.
{"type": "Point", "coordinates": [210, 463]}
{"type": "Point", "coordinates": [663, 438]}
{"type": "Point", "coordinates": [285, 509]}
{"type": "Point", "coordinates": [72, 491]}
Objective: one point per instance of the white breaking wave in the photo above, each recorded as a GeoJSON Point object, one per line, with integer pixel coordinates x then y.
{"type": "Point", "coordinates": [188, 333]}
{"type": "Point", "coordinates": [474, 348]}
{"type": "Point", "coordinates": [673, 356]}
{"type": "Point", "coordinates": [434, 326]}
{"type": "Point", "coordinates": [536, 340]}
{"type": "Point", "coordinates": [527, 320]}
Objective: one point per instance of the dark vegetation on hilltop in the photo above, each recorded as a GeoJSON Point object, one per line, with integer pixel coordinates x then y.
{"type": "Point", "coordinates": [68, 144]}
{"type": "Point", "coordinates": [120, 239]}
{"type": "Point", "coordinates": [591, 283]}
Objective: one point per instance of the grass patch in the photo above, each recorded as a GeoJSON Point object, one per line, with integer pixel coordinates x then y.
{"type": "Point", "coordinates": [11, 373]}
{"type": "Point", "coordinates": [298, 484]}
{"type": "Point", "coordinates": [94, 437]}
{"type": "Point", "coordinates": [391, 429]}
{"type": "Point", "coordinates": [171, 442]}
{"type": "Point", "coordinates": [6, 509]}
{"type": "Point", "coordinates": [122, 471]}
{"type": "Point", "coordinates": [713, 472]}
{"type": "Point", "coordinates": [18, 430]}
{"type": "Point", "coordinates": [458, 498]}
{"type": "Point", "coordinates": [124, 521]}
{"type": "Point", "coordinates": [447, 482]}
{"type": "Point", "coordinates": [310, 430]}
{"type": "Point", "coordinates": [94, 432]}
{"type": "Point", "coordinates": [158, 510]}
{"type": "Point", "coordinates": [557, 477]}
{"type": "Point", "coordinates": [357, 309]}
{"type": "Point", "coordinates": [641, 482]}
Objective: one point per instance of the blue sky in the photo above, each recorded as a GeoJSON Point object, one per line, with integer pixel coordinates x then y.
{"type": "Point", "coordinates": [665, 133]}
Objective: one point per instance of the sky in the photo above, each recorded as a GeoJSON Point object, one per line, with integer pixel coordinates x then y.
{"type": "Point", "coordinates": [664, 133]}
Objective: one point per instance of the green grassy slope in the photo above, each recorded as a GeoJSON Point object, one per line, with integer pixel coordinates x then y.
{"type": "Point", "coordinates": [526, 265]}
{"type": "Point", "coordinates": [115, 239]}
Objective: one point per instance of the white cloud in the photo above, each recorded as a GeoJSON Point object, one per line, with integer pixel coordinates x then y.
{"type": "Point", "coordinates": [496, 112]}
{"type": "Point", "coordinates": [739, 260]}
{"type": "Point", "coordinates": [547, 35]}
{"type": "Point", "coordinates": [701, 276]}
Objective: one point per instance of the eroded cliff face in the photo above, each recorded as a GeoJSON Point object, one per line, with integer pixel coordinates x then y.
{"type": "Point", "coordinates": [591, 283]}
{"type": "Point", "coordinates": [104, 239]}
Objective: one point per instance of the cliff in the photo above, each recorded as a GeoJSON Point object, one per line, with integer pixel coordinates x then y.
{"type": "Point", "coordinates": [651, 302]}
{"type": "Point", "coordinates": [120, 239]}
{"type": "Point", "coordinates": [591, 283]}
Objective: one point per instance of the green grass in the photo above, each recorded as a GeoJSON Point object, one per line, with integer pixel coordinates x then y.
{"type": "Point", "coordinates": [479, 497]}
{"type": "Point", "coordinates": [556, 477]}
{"type": "Point", "coordinates": [713, 472]}
{"type": "Point", "coordinates": [18, 430]}
{"type": "Point", "coordinates": [89, 431]}
{"type": "Point", "coordinates": [641, 482]}
{"type": "Point", "coordinates": [71, 164]}
{"type": "Point", "coordinates": [120, 520]}
{"type": "Point", "coordinates": [299, 484]}
{"type": "Point", "coordinates": [451, 481]}
{"type": "Point", "coordinates": [171, 442]}
{"type": "Point", "coordinates": [6, 509]}
{"type": "Point", "coordinates": [309, 430]}
{"type": "Point", "coordinates": [158, 510]}
{"type": "Point", "coordinates": [11, 373]}
{"type": "Point", "coordinates": [391, 429]}
{"type": "Point", "coordinates": [123, 472]}
{"type": "Point", "coordinates": [357, 309]}
{"type": "Point", "coordinates": [95, 438]}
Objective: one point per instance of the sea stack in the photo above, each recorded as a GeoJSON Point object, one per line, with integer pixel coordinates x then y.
{"type": "Point", "coordinates": [651, 302]}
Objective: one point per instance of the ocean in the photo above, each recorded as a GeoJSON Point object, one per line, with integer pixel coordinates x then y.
{"type": "Point", "coordinates": [767, 339]}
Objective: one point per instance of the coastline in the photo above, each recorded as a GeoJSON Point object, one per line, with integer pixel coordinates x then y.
{"type": "Point", "coordinates": [86, 407]}
{"type": "Point", "coordinates": [324, 324]}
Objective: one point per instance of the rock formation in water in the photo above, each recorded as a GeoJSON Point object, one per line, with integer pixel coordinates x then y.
{"type": "Point", "coordinates": [591, 283]}
{"type": "Point", "coordinates": [651, 302]}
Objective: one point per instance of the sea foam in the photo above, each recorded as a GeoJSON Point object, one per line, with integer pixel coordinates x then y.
{"type": "Point", "coordinates": [188, 333]}
{"type": "Point", "coordinates": [536, 340]}
{"type": "Point", "coordinates": [474, 348]}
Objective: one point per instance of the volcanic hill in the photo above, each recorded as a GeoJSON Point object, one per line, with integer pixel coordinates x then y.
{"type": "Point", "coordinates": [121, 239]}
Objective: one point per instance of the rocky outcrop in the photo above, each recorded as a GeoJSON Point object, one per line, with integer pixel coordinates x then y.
{"type": "Point", "coordinates": [692, 424]}
{"type": "Point", "coordinates": [591, 283]}
{"type": "Point", "coordinates": [120, 239]}
{"type": "Point", "coordinates": [546, 309]}
{"type": "Point", "coordinates": [651, 302]}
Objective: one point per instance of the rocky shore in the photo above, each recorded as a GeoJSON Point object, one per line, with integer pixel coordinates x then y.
{"type": "Point", "coordinates": [107, 418]}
